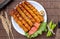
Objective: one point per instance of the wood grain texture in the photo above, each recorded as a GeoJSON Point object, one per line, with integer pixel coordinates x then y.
{"type": "Point", "coordinates": [52, 8]}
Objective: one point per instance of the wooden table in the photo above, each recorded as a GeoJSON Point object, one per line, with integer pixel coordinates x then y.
{"type": "Point", "coordinates": [52, 8]}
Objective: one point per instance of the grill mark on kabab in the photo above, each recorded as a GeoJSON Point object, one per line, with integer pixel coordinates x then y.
{"type": "Point", "coordinates": [34, 10]}
{"type": "Point", "coordinates": [22, 20]}
{"type": "Point", "coordinates": [18, 21]}
{"type": "Point", "coordinates": [31, 12]}
{"type": "Point", "coordinates": [24, 16]}
{"type": "Point", "coordinates": [26, 13]}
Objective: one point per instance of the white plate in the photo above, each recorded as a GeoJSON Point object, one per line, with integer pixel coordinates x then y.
{"type": "Point", "coordinates": [38, 7]}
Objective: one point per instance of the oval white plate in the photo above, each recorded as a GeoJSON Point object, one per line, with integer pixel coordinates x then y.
{"type": "Point", "coordinates": [38, 7]}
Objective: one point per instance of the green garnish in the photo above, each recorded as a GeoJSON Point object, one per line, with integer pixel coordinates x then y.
{"type": "Point", "coordinates": [42, 28]}
{"type": "Point", "coordinates": [52, 27]}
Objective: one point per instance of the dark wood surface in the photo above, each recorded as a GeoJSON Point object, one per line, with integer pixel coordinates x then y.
{"type": "Point", "coordinates": [52, 8]}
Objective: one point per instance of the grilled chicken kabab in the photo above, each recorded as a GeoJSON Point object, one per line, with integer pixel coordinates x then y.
{"type": "Point", "coordinates": [22, 20]}
{"type": "Point", "coordinates": [27, 13]}
{"type": "Point", "coordinates": [31, 12]}
{"type": "Point", "coordinates": [34, 10]}
{"type": "Point", "coordinates": [27, 17]}
{"type": "Point", "coordinates": [24, 16]}
{"type": "Point", "coordinates": [18, 21]}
